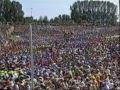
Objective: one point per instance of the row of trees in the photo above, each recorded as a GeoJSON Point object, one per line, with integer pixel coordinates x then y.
{"type": "Point", "coordinates": [95, 12]}
{"type": "Point", "coordinates": [60, 20]}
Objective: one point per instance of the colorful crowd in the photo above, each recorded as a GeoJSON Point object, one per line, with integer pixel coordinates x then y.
{"type": "Point", "coordinates": [75, 60]}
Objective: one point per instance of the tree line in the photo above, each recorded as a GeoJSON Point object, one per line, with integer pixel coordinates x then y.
{"type": "Point", "coordinates": [82, 12]}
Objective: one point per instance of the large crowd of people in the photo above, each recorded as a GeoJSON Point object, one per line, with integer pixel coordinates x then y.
{"type": "Point", "coordinates": [82, 59]}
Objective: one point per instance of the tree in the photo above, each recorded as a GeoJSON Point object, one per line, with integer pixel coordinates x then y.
{"type": "Point", "coordinates": [2, 19]}
{"type": "Point", "coordinates": [93, 11]}
{"type": "Point", "coordinates": [16, 12]}
{"type": "Point", "coordinates": [11, 11]}
{"type": "Point", "coordinates": [61, 20]}
{"type": "Point", "coordinates": [40, 21]}
{"type": "Point", "coordinates": [51, 21]}
{"type": "Point", "coordinates": [28, 20]}
{"type": "Point", "coordinates": [6, 10]}
{"type": "Point", "coordinates": [45, 20]}
{"type": "Point", "coordinates": [1, 8]}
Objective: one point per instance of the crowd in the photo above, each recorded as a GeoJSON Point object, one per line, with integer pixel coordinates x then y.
{"type": "Point", "coordinates": [80, 60]}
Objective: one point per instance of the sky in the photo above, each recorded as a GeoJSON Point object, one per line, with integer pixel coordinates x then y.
{"type": "Point", "coordinates": [49, 8]}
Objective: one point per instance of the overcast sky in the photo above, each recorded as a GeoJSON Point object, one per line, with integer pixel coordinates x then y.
{"type": "Point", "coordinates": [50, 8]}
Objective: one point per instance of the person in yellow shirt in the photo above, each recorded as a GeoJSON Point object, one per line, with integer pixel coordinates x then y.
{"type": "Point", "coordinates": [97, 77]}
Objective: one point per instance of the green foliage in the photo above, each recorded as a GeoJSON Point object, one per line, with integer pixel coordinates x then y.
{"type": "Point", "coordinates": [93, 11]}
{"type": "Point", "coordinates": [40, 21]}
{"type": "Point", "coordinates": [2, 19]}
{"type": "Point", "coordinates": [43, 20]}
{"type": "Point", "coordinates": [10, 11]}
{"type": "Point", "coordinates": [16, 12]}
{"type": "Point", "coordinates": [28, 20]}
{"type": "Point", "coordinates": [82, 12]}
{"type": "Point", "coordinates": [61, 20]}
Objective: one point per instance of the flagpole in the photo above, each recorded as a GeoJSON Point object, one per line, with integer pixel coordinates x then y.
{"type": "Point", "coordinates": [31, 52]}
{"type": "Point", "coordinates": [32, 61]}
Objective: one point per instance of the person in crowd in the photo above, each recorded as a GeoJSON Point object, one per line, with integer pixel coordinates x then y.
{"type": "Point", "coordinates": [80, 60]}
